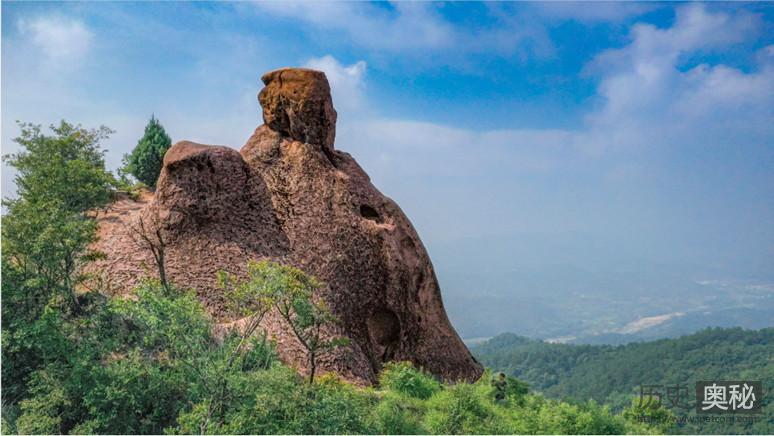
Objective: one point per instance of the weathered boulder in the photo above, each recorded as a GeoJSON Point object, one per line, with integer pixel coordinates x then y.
{"type": "Point", "coordinates": [289, 196]}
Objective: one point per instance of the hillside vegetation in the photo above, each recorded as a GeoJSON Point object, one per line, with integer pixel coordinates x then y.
{"type": "Point", "coordinates": [613, 375]}
{"type": "Point", "coordinates": [77, 361]}
{"type": "Point", "coordinates": [150, 365]}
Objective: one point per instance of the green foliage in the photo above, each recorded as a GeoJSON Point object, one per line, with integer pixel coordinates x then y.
{"type": "Point", "coordinates": [306, 316]}
{"type": "Point", "coordinates": [401, 377]}
{"type": "Point", "coordinates": [573, 372]}
{"type": "Point", "coordinates": [155, 320]}
{"type": "Point", "coordinates": [147, 158]}
{"type": "Point", "coordinates": [650, 411]}
{"type": "Point", "coordinates": [588, 418]}
{"type": "Point", "coordinates": [278, 401]}
{"type": "Point", "coordinates": [471, 408]}
{"type": "Point", "coordinates": [293, 294]}
{"type": "Point", "coordinates": [465, 409]}
{"type": "Point", "coordinates": [118, 367]}
{"type": "Point", "coordinates": [516, 389]}
{"type": "Point", "coordinates": [46, 232]}
{"type": "Point", "coordinates": [43, 412]}
{"type": "Point", "coordinates": [65, 170]}
{"type": "Point", "coordinates": [398, 414]}
{"type": "Point", "coordinates": [149, 364]}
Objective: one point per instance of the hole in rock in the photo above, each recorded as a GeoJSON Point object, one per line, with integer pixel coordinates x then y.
{"type": "Point", "coordinates": [384, 329]}
{"type": "Point", "coordinates": [370, 213]}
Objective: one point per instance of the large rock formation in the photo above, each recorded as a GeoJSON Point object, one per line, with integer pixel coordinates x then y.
{"type": "Point", "coordinates": [289, 196]}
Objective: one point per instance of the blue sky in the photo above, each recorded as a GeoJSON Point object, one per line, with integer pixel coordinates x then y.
{"type": "Point", "coordinates": [597, 136]}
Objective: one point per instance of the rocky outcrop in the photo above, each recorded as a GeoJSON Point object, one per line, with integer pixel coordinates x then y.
{"type": "Point", "coordinates": [290, 196]}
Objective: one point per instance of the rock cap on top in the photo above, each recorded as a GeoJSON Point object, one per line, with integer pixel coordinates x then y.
{"type": "Point", "coordinates": [297, 103]}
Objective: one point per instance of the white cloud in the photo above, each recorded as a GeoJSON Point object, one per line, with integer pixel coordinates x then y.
{"type": "Point", "coordinates": [408, 24]}
{"type": "Point", "coordinates": [695, 29]}
{"type": "Point", "coordinates": [647, 99]}
{"type": "Point", "coordinates": [347, 81]}
{"type": "Point", "coordinates": [60, 39]}
{"type": "Point", "coordinates": [650, 97]}
{"type": "Point", "coordinates": [409, 27]}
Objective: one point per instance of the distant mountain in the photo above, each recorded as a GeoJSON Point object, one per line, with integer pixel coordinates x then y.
{"type": "Point", "coordinates": [614, 374]}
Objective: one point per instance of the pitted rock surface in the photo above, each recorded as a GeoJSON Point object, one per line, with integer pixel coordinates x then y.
{"type": "Point", "coordinates": [290, 197]}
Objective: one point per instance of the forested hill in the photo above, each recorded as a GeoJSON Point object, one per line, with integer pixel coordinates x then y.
{"type": "Point", "coordinates": [614, 374]}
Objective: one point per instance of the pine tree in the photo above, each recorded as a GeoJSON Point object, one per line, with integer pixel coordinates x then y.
{"type": "Point", "coordinates": [147, 158]}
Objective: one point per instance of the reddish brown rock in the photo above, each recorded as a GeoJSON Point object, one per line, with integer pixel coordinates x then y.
{"type": "Point", "coordinates": [297, 103]}
{"type": "Point", "coordinates": [290, 197]}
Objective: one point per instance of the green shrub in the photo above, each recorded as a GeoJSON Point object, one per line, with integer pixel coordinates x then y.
{"type": "Point", "coordinates": [125, 366]}
{"type": "Point", "coordinates": [263, 402]}
{"type": "Point", "coordinates": [465, 409]}
{"type": "Point", "coordinates": [45, 412]}
{"type": "Point", "coordinates": [336, 407]}
{"type": "Point", "coordinates": [404, 378]}
{"type": "Point", "coordinates": [399, 414]}
{"type": "Point", "coordinates": [149, 364]}
{"type": "Point", "coordinates": [278, 401]}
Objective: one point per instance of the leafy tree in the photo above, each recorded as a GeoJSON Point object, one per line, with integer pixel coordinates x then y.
{"type": "Point", "coordinates": [65, 170]}
{"type": "Point", "coordinates": [306, 316]}
{"type": "Point", "coordinates": [46, 232]}
{"type": "Point", "coordinates": [249, 301]}
{"type": "Point", "coordinates": [147, 158]}
{"type": "Point", "coordinates": [294, 295]}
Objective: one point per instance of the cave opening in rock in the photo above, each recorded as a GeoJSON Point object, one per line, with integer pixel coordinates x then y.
{"type": "Point", "coordinates": [384, 330]}
{"type": "Point", "coordinates": [370, 213]}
